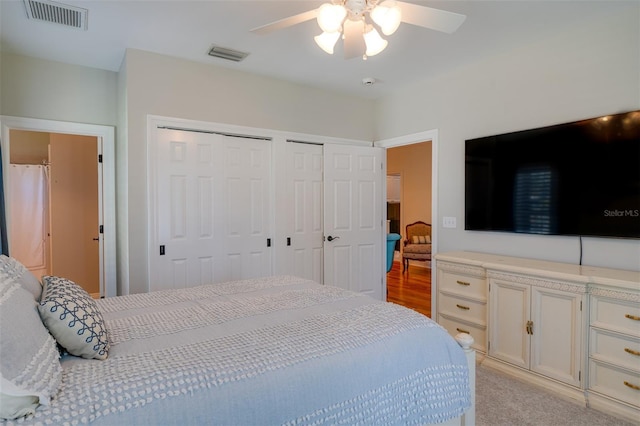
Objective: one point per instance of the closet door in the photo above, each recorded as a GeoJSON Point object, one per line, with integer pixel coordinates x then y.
{"type": "Point", "coordinates": [304, 216]}
{"type": "Point", "coordinates": [353, 200]}
{"type": "Point", "coordinates": [212, 209]}
{"type": "Point", "coordinates": [243, 216]}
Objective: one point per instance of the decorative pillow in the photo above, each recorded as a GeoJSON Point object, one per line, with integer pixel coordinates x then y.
{"type": "Point", "coordinates": [73, 318]}
{"type": "Point", "coordinates": [13, 269]}
{"type": "Point", "coordinates": [12, 407]}
{"type": "Point", "coordinates": [30, 370]}
{"type": "Point", "coordinates": [421, 239]}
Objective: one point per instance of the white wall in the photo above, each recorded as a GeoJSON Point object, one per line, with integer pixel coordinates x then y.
{"type": "Point", "coordinates": [122, 179]}
{"type": "Point", "coordinates": [166, 86]}
{"type": "Point", "coordinates": [586, 72]}
{"type": "Point", "coordinates": [37, 88]}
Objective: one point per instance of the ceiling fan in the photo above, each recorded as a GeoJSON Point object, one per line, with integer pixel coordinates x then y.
{"type": "Point", "coordinates": [357, 23]}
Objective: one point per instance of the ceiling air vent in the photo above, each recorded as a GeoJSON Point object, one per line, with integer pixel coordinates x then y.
{"type": "Point", "coordinates": [229, 54]}
{"type": "Point", "coordinates": [57, 13]}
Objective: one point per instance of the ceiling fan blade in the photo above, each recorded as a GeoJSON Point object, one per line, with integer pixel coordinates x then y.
{"type": "Point", "coordinates": [353, 42]}
{"type": "Point", "coordinates": [428, 17]}
{"type": "Point", "coordinates": [286, 22]}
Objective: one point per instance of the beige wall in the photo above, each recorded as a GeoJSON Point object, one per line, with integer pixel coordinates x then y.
{"type": "Point", "coordinates": [29, 147]}
{"type": "Point", "coordinates": [588, 70]}
{"type": "Point", "coordinates": [159, 85]}
{"type": "Point", "coordinates": [37, 88]}
{"type": "Point", "coordinates": [165, 86]}
{"type": "Point", "coordinates": [585, 71]}
{"type": "Point", "coordinates": [413, 163]}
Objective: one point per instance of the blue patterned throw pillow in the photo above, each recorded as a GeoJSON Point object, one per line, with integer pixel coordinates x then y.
{"type": "Point", "coordinates": [73, 318]}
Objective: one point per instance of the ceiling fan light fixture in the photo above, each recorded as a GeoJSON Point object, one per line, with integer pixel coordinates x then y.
{"type": "Point", "coordinates": [331, 16]}
{"type": "Point", "coordinates": [375, 44]}
{"type": "Point", "coordinates": [388, 16]}
{"type": "Point", "coordinates": [354, 19]}
{"type": "Point", "coordinates": [327, 41]}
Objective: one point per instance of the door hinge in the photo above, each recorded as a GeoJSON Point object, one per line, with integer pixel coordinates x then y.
{"type": "Point", "coordinates": [102, 229]}
{"type": "Point", "coordinates": [99, 158]}
{"type": "Point", "coordinates": [530, 327]}
{"type": "Point", "coordinates": [579, 376]}
{"type": "Point", "coordinates": [268, 242]}
{"type": "Point", "coordinates": [581, 305]}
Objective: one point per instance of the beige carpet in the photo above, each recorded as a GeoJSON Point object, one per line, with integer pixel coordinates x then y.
{"type": "Point", "coordinates": [505, 401]}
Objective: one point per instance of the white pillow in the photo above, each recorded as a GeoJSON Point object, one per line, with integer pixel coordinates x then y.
{"type": "Point", "coordinates": [12, 407]}
{"type": "Point", "coordinates": [12, 268]}
{"type": "Point", "coordinates": [73, 318]}
{"type": "Point", "coordinates": [30, 370]}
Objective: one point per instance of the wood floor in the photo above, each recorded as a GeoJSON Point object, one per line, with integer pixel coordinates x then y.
{"type": "Point", "coordinates": [412, 289]}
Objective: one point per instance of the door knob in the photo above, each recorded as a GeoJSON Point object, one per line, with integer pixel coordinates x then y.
{"type": "Point", "coordinates": [330, 238]}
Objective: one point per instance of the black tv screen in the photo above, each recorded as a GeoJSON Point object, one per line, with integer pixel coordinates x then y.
{"type": "Point", "coordinates": [579, 178]}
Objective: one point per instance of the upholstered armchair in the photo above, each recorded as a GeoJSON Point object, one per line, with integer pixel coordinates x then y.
{"type": "Point", "coordinates": [417, 243]}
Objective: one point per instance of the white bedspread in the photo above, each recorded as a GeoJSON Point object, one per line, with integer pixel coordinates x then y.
{"type": "Point", "coordinates": [278, 350]}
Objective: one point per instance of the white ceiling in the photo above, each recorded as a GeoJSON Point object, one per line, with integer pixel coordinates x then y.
{"type": "Point", "coordinates": [187, 29]}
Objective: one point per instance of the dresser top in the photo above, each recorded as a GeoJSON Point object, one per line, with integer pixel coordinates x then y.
{"type": "Point", "coordinates": [578, 273]}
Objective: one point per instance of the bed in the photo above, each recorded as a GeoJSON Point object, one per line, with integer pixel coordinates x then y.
{"type": "Point", "coordinates": [273, 350]}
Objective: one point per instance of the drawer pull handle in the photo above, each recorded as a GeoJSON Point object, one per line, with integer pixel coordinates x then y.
{"type": "Point", "coordinates": [462, 331]}
{"type": "Point", "coordinates": [463, 282]}
{"type": "Point", "coordinates": [632, 317]}
{"type": "Point", "coordinates": [632, 352]}
{"type": "Point", "coordinates": [466, 308]}
{"type": "Point", "coordinates": [632, 386]}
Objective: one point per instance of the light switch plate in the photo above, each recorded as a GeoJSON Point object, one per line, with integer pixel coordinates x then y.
{"type": "Point", "coordinates": [449, 222]}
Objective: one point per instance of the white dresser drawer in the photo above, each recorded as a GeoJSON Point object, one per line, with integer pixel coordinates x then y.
{"type": "Point", "coordinates": [464, 285]}
{"type": "Point", "coordinates": [614, 382]}
{"type": "Point", "coordinates": [615, 349]}
{"type": "Point", "coordinates": [616, 315]}
{"type": "Point", "coordinates": [465, 309]}
{"type": "Point", "coordinates": [454, 326]}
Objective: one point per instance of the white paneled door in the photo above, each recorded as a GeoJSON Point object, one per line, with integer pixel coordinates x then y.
{"type": "Point", "coordinates": [353, 177]}
{"type": "Point", "coordinates": [212, 209]}
{"type": "Point", "coordinates": [305, 215]}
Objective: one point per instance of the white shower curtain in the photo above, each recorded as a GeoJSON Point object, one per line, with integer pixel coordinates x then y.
{"type": "Point", "coordinates": [28, 207]}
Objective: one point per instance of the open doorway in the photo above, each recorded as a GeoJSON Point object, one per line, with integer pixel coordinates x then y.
{"type": "Point", "coordinates": [409, 200]}
{"type": "Point", "coordinates": [106, 136]}
{"type": "Point", "coordinates": [53, 199]}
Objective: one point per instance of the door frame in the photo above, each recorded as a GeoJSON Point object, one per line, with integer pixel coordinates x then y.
{"type": "Point", "coordinates": [414, 138]}
{"type": "Point", "coordinates": [105, 134]}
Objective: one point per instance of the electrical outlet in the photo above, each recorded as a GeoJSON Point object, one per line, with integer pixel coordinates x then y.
{"type": "Point", "coordinates": [449, 222]}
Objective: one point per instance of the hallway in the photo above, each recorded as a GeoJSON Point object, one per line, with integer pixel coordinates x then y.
{"type": "Point", "coordinates": [412, 289]}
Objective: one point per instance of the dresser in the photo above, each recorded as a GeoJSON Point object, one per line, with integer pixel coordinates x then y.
{"type": "Point", "coordinates": [462, 298]}
{"type": "Point", "coordinates": [614, 346]}
{"type": "Point", "coordinates": [573, 329]}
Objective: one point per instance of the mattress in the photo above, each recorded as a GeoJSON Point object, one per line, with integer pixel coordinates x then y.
{"type": "Point", "coordinates": [277, 350]}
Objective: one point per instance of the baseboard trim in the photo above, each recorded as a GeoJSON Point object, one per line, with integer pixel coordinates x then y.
{"type": "Point", "coordinates": [615, 408]}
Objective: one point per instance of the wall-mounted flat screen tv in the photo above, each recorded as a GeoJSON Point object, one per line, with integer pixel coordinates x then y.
{"type": "Point", "coordinates": [580, 178]}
